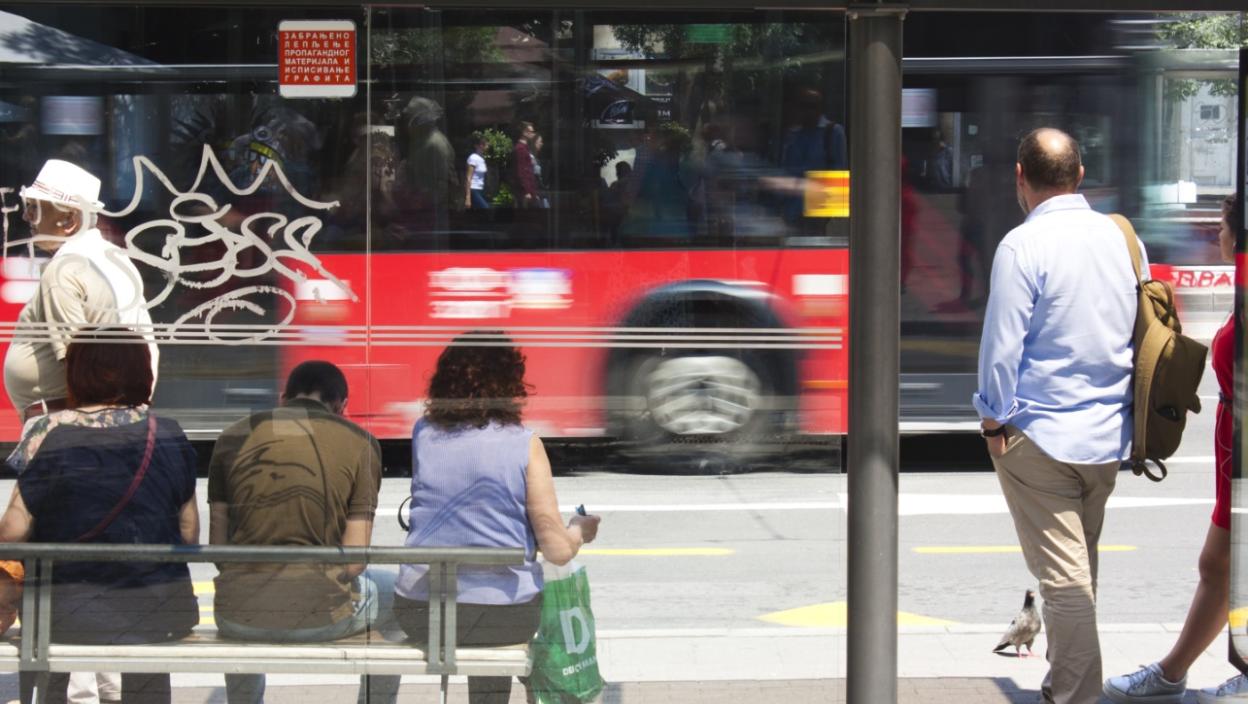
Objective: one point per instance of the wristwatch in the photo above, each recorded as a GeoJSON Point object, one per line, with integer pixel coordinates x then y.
{"type": "Point", "coordinates": [985, 432]}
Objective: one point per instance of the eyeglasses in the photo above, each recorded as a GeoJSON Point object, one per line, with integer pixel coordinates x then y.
{"type": "Point", "coordinates": [32, 209]}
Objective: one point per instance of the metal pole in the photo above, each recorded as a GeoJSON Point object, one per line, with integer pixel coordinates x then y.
{"type": "Point", "coordinates": [875, 293]}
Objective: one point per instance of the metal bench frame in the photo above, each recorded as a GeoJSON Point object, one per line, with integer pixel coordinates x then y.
{"type": "Point", "coordinates": [37, 653]}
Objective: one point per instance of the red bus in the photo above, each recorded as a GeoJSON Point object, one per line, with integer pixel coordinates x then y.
{"type": "Point", "coordinates": [673, 257]}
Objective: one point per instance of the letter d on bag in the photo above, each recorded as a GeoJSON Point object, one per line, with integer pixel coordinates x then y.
{"type": "Point", "coordinates": [574, 645]}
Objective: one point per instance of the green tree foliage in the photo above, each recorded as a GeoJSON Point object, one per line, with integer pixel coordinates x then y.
{"type": "Point", "coordinates": [497, 146]}
{"type": "Point", "coordinates": [458, 45]}
{"type": "Point", "coordinates": [719, 62]}
{"type": "Point", "coordinates": [1203, 30]}
{"type": "Point", "coordinates": [1194, 30]}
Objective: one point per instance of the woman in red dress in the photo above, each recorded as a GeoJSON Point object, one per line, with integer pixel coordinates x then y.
{"type": "Point", "coordinates": [1165, 680]}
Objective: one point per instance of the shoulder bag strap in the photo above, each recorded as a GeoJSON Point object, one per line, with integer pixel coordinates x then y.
{"type": "Point", "coordinates": [1140, 387]}
{"type": "Point", "coordinates": [1133, 243]}
{"type": "Point", "coordinates": [134, 486]}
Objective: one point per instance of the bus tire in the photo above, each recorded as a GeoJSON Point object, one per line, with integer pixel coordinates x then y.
{"type": "Point", "coordinates": [698, 399]}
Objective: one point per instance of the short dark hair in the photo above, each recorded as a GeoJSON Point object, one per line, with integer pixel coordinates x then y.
{"type": "Point", "coordinates": [479, 378]}
{"type": "Point", "coordinates": [1050, 166]}
{"type": "Point", "coordinates": [1232, 212]}
{"type": "Point", "coordinates": [109, 365]}
{"type": "Point", "coordinates": [317, 377]}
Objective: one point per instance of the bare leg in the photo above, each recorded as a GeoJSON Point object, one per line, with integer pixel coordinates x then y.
{"type": "Point", "coordinates": [1206, 618]}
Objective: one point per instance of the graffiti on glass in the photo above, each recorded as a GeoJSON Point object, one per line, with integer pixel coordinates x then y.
{"type": "Point", "coordinates": [254, 247]}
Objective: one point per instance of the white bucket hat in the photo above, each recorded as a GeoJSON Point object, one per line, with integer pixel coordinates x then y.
{"type": "Point", "coordinates": [65, 184]}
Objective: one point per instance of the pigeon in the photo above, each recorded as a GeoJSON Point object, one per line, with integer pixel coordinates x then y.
{"type": "Point", "coordinates": [1023, 628]}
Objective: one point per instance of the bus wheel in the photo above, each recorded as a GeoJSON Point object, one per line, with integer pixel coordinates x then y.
{"type": "Point", "coordinates": [697, 398]}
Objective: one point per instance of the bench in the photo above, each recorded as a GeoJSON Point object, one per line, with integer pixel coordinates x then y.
{"type": "Point", "coordinates": [367, 654]}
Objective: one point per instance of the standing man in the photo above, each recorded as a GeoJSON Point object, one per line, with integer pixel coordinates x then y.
{"type": "Point", "coordinates": [523, 179]}
{"type": "Point", "coordinates": [88, 281]}
{"type": "Point", "coordinates": [300, 474]}
{"type": "Point", "coordinates": [1055, 367]}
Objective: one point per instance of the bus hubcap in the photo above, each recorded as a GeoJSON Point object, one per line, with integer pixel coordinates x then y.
{"type": "Point", "coordinates": [702, 395]}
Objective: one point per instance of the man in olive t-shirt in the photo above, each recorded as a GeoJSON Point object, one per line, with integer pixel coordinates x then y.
{"type": "Point", "coordinates": [300, 474]}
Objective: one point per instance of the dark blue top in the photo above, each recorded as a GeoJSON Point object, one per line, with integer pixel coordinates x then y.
{"type": "Point", "coordinates": [77, 477]}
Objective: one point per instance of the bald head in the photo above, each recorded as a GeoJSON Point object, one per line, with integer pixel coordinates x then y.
{"type": "Point", "coordinates": [1049, 159]}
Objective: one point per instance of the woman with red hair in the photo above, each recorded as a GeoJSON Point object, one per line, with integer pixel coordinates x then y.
{"type": "Point", "coordinates": [107, 470]}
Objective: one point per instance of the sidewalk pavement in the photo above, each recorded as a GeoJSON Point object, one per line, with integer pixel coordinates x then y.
{"type": "Point", "coordinates": [938, 664]}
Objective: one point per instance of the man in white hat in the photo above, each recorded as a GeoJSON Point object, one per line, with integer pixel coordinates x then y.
{"type": "Point", "coordinates": [87, 282]}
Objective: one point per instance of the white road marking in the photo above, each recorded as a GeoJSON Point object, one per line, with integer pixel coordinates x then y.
{"type": "Point", "coordinates": [757, 506]}
{"type": "Point", "coordinates": [908, 505]}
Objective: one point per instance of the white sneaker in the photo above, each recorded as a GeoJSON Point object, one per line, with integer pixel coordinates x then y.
{"type": "Point", "coordinates": [1232, 690]}
{"type": "Point", "coordinates": [1145, 686]}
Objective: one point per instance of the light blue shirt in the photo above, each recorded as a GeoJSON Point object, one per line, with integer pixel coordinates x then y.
{"type": "Point", "coordinates": [1055, 359]}
{"type": "Point", "coordinates": [470, 489]}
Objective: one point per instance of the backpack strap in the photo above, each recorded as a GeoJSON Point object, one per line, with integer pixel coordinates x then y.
{"type": "Point", "coordinates": [1133, 244]}
{"type": "Point", "coordinates": [1142, 379]}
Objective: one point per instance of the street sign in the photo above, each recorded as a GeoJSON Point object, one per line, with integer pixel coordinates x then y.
{"type": "Point", "coordinates": [316, 58]}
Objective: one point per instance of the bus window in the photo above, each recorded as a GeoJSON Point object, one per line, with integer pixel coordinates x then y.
{"type": "Point", "coordinates": [582, 177]}
{"type": "Point", "coordinates": [603, 130]}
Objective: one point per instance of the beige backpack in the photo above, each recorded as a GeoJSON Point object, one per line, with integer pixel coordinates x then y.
{"type": "Point", "coordinates": [1168, 367]}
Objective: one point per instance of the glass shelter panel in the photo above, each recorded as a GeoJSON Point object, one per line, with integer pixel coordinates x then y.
{"type": "Point", "coordinates": [1153, 124]}
{"type": "Point", "coordinates": [264, 265]}
{"type": "Point", "coordinates": [1154, 119]}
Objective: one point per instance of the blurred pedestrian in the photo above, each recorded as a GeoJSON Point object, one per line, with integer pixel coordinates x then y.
{"type": "Point", "coordinates": [474, 178]}
{"type": "Point", "coordinates": [430, 166]}
{"type": "Point", "coordinates": [811, 143]}
{"type": "Point", "coordinates": [108, 470]}
{"type": "Point", "coordinates": [1165, 681]}
{"type": "Point", "coordinates": [536, 154]}
{"type": "Point", "coordinates": [523, 180]}
{"type": "Point", "coordinates": [1055, 370]}
{"type": "Point", "coordinates": [481, 479]}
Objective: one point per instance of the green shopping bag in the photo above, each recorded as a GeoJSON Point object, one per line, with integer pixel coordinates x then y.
{"type": "Point", "coordinates": [565, 656]}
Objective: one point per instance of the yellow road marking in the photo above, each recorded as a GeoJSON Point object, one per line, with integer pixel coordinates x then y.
{"type": "Point", "coordinates": [988, 549]}
{"type": "Point", "coordinates": [835, 614]}
{"type": "Point", "coordinates": [660, 552]}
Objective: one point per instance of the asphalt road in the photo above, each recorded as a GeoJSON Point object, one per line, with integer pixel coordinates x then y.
{"type": "Point", "coordinates": [768, 549]}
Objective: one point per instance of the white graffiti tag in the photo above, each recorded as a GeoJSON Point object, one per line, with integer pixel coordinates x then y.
{"type": "Point", "coordinates": [256, 246]}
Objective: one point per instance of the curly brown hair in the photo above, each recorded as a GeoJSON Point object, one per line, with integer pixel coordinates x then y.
{"type": "Point", "coordinates": [479, 378]}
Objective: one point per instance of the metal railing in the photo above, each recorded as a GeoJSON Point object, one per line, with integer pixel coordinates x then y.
{"type": "Point", "coordinates": [38, 559]}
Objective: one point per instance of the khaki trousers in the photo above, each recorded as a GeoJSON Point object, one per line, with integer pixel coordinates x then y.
{"type": "Point", "coordinates": [1058, 511]}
